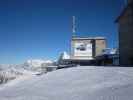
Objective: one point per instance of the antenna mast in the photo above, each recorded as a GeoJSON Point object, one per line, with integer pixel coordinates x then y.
{"type": "Point", "coordinates": [125, 2]}
{"type": "Point", "coordinates": [74, 26]}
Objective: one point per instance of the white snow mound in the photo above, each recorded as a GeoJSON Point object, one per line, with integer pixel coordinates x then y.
{"type": "Point", "coordinates": [80, 83]}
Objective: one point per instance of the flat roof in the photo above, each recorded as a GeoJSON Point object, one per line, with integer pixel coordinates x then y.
{"type": "Point", "coordinates": [88, 38]}
{"type": "Point", "coordinates": [79, 59]}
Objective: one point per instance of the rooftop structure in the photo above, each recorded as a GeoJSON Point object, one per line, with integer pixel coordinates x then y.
{"type": "Point", "coordinates": [86, 48]}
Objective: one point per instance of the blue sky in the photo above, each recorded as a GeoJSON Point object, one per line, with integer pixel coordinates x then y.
{"type": "Point", "coordinates": [32, 29]}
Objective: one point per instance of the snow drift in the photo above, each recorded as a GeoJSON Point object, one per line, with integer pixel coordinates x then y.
{"type": "Point", "coordinates": [80, 83]}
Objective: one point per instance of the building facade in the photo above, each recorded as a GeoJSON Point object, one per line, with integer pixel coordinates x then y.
{"type": "Point", "coordinates": [125, 23]}
{"type": "Point", "coordinates": [87, 48]}
{"type": "Point", "coordinates": [84, 51]}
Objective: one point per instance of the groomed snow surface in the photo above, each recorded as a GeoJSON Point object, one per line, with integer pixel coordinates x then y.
{"type": "Point", "coordinates": [79, 83]}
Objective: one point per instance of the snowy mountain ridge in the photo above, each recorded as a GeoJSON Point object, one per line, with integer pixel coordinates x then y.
{"type": "Point", "coordinates": [37, 62]}
{"type": "Point", "coordinates": [30, 67]}
{"type": "Point", "coordinates": [31, 63]}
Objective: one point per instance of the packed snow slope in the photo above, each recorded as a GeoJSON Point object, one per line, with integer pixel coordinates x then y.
{"type": "Point", "coordinates": [79, 83]}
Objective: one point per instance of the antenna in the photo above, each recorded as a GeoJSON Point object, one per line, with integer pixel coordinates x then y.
{"type": "Point", "coordinates": [74, 26]}
{"type": "Point", "coordinates": [125, 2]}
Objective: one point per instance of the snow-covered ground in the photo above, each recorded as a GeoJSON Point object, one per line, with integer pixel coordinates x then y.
{"type": "Point", "coordinates": [79, 83]}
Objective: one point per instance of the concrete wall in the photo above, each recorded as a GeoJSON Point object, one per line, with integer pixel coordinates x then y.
{"type": "Point", "coordinates": [129, 1]}
{"type": "Point", "coordinates": [100, 45]}
{"type": "Point", "coordinates": [126, 37]}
